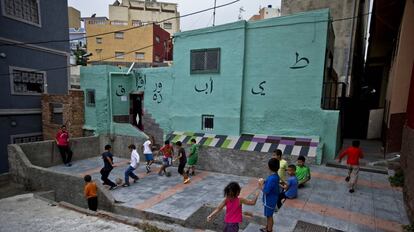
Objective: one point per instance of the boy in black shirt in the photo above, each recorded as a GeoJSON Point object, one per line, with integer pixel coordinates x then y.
{"type": "Point", "coordinates": [108, 166]}
{"type": "Point", "coordinates": [183, 160]}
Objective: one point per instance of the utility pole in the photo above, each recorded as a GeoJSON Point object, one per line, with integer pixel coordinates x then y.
{"type": "Point", "coordinates": [214, 13]}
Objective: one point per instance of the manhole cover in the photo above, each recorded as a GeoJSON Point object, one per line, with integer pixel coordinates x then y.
{"type": "Point", "coordinates": [302, 226]}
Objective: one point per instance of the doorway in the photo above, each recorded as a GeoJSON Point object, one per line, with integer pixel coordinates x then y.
{"type": "Point", "coordinates": [136, 112]}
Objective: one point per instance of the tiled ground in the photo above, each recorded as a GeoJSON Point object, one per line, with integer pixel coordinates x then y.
{"type": "Point", "coordinates": [375, 206]}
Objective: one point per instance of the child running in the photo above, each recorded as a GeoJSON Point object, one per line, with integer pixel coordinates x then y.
{"type": "Point", "coordinates": [192, 158]}
{"type": "Point", "coordinates": [167, 151]}
{"type": "Point", "coordinates": [108, 160]}
{"type": "Point", "coordinates": [147, 150]}
{"type": "Point", "coordinates": [290, 189]}
{"type": "Point", "coordinates": [133, 164]}
{"type": "Point", "coordinates": [270, 189]}
{"type": "Point", "coordinates": [233, 204]}
{"type": "Point", "coordinates": [183, 160]}
{"type": "Point", "coordinates": [354, 153]}
{"type": "Point", "coordinates": [90, 193]}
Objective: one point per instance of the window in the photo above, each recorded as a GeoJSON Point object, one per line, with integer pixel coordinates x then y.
{"type": "Point", "coordinates": [98, 40]}
{"type": "Point", "coordinates": [98, 51]}
{"type": "Point", "coordinates": [205, 61]}
{"type": "Point", "coordinates": [119, 55]}
{"type": "Point", "coordinates": [27, 11]}
{"type": "Point", "coordinates": [119, 35]}
{"type": "Point", "coordinates": [26, 138]}
{"type": "Point", "coordinates": [157, 58]}
{"type": "Point", "coordinates": [119, 23]}
{"type": "Point", "coordinates": [136, 23]}
{"type": "Point", "coordinates": [56, 110]}
{"type": "Point", "coordinates": [207, 122]}
{"type": "Point", "coordinates": [167, 25]}
{"type": "Point", "coordinates": [27, 82]}
{"type": "Point", "coordinates": [139, 55]}
{"type": "Point", "coordinates": [157, 39]}
{"type": "Point", "coordinates": [90, 97]}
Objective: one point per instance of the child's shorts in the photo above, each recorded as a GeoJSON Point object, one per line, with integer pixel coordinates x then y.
{"type": "Point", "coordinates": [149, 157]}
{"type": "Point", "coordinates": [167, 161]}
{"type": "Point", "coordinates": [231, 227]}
{"type": "Point", "coordinates": [268, 211]}
{"type": "Point", "coordinates": [181, 168]}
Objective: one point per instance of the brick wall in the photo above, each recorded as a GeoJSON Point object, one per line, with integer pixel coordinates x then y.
{"type": "Point", "coordinates": [72, 113]}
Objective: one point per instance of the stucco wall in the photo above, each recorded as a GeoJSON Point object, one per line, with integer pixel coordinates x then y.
{"type": "Point", "coordinates": [407, 163]}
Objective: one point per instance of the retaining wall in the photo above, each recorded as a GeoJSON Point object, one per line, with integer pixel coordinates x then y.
{"type": "Point", "coordinates": [407, 163]}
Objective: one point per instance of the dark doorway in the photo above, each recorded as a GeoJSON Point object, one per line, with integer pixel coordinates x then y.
{"type": "Point", "coordinates": [136, 117]}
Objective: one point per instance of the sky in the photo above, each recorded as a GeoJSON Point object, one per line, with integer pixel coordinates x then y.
{"type": "Point", "coordinates": [224, 15]}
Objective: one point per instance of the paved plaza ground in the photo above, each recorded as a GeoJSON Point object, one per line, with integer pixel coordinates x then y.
{"type": "Point", "coordinates": [375, 206]}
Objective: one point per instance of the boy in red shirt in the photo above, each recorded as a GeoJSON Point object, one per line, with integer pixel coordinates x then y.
{"type": "Point", "coordinates": [354, 153]}
{"type": "Point", "coordinates": [168, 151]}
{"type": "Point", "coordinates": [62, 141]}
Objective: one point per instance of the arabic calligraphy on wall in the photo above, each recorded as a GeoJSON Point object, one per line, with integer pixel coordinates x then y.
{"type": "Point", "coordinates": [141, 81]}
{"type": "Point", "coordinates": [260, 90]}
{"type": "Point", "coordinates": [120, 91]}
{"type": "Point", "coordinates": [300, 63]}
{"type": "Point", "coordinates": [157, 96]}
{"type": "Point", "coordinates": [207, 88]}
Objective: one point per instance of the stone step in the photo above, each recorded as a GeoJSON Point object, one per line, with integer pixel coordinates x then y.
{"type": "Point", "coordinates": [380, 170]}
{"type": "Point", "coordinates": [252, 227]}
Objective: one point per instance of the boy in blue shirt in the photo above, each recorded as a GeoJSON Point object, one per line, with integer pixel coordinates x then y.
{"type": "Point", "coordinates": [270, 189]}
{"type": "Point", "coordinates": [290, 189]}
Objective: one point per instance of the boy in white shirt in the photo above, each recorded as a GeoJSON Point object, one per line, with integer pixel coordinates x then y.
{"type": "Point", "coordinates": [132, 166]}
{"type": "Point", "coordinates": [147, 150]}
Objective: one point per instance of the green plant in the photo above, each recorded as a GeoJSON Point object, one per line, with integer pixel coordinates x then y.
{"type": "Point", "coordinates": [408, 228]}
{"type": "Point", "coordinates": [398, 179]}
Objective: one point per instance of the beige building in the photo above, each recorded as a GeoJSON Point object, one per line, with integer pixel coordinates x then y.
{"type": "Point", "coordinates": [146, 12]}
{"type": "Point", "coordinates": [265, 13]}
{"type": "Point", "coordinates": [74, 17]}
{"type": "Point", "coordinates": [147, 44]}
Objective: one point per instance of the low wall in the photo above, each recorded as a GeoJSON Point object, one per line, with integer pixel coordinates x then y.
{"type": "Point", "coordinates": [407, 163]}
{"type": "Point", "coordinates": [120, 145]}
{"type": "Point", "coordinates": [46, 153]}
{"type": "Point", "coordinates": [236, 162]}
{"type": "Point", "coordinates": [66, 187]}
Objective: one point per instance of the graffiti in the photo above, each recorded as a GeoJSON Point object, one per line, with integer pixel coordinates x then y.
{"type": "Point", "coordinates": [141, 81]}
{"type": "Point", "coordinates": [261, 91]}
{"type": "Point", "coordinates": [208, 87]}
{"type": "Point", "coordinates": [120, 91]}
{"type": "Point", "coordinates": [300, 63]}
{"type": "Point", "coordinates": [157, 97]}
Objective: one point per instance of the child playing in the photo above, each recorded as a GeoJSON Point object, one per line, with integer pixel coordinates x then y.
{"type": "Point", "coordinates": [270, 189]}
{"type": "Point", "coordinates": [290, 189]}
{"type": "Point", "coordinates": [133, 164]}
{"type": "Point", "coordinates": [183, 160]}
{"type": "Point", "coordinates": [108, 160]}
{"type": "Point", "coordinates": [90, 193]}
{"type": "Point", "coordinates": [233, 204]}
{"type": "Point", "coordinates": [302, 172]}
{"type": "Point", "coordinates": [167, 151]}
{"type": "Point", "coordinates": [354, 153]}
{"type": "Point", "coordinates": [147, 150]}
{"type": "Point", "coordinates": [282, 164]}
{"type": "Point", "coordinates": [192, 158]}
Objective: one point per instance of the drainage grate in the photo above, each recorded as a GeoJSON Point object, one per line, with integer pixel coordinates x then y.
{"type": "Point", "coordinates": [302, 226]}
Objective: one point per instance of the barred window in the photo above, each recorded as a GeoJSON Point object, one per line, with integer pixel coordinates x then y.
{"type": "Point", "coordinates": [26, 138]}
{"type": "Point", "coordinates": [205, 61]}
{"type": "Point", "coordinates": [98, 40]}
{"type": "Point", "coordinates": [90, 97]}
{"type": "Point", "coordinates": [119, 35]}
{"type": "Point", "coordinates": [167, 25]}
{"type": "Point", "coordinates": [139, 55]}
{"type": "Point", "coordinates": [207, 122]}
{"type": "Point", "coordinates": [23, 10]}
{"type": "Point", "coordinates": [119, 55]}
{"type": "Point", "coordinates": [27, 82]}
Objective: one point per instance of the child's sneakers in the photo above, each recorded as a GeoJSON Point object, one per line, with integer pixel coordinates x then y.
{"type": "Point", "coordinates": [352, 190]}
{"type": "Point", "coordinates": [186, 181]}
{"type": "Point", "coordinates": [113, 187]}
{"type": "Point", "coordinates": [347, 178]}
{"type": "Point", "coordinates": [148, 168]}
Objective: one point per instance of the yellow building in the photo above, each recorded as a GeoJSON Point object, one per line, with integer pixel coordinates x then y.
{"type": "Point", "coordinates": [74, 17]}
{"type": "Point", "coordinates": [146, 12]}
{"type": "Point", "coordinates": [146, 44]}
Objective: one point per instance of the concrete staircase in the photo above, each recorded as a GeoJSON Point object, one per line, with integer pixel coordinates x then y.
{"type": "Point", "coordinates": [151, 127]}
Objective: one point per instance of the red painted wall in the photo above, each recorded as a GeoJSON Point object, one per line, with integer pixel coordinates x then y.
{"type": "Point", "coordinates": [163, 49]}
{"type": "Point", "coordinates": [410, 104]}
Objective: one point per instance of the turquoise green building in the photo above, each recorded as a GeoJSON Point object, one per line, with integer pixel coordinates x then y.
{"type": "Point", "coordinates": [253, 86]}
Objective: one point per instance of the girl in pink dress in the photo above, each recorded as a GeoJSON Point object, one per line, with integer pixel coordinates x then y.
{"type": "Point", "coordinates": [233, 204]}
